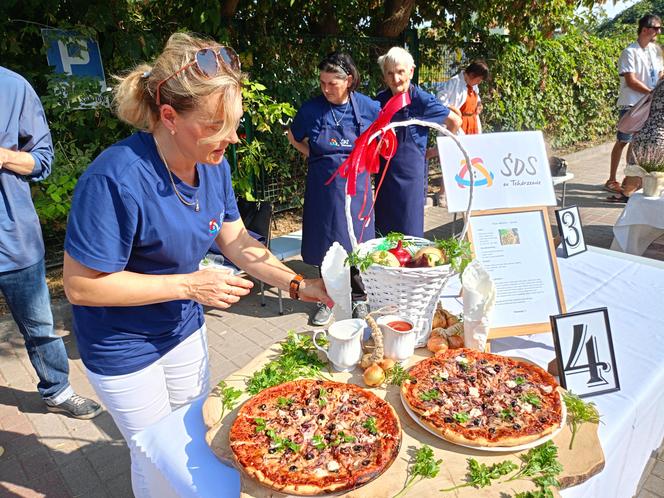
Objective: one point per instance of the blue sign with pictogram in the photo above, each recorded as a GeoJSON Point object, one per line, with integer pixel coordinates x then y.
{"type": "Point", "coordinates": [73, 54]}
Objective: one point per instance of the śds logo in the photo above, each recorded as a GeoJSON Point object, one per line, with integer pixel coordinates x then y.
{"type": "Point", "coordinates": [478, 168]}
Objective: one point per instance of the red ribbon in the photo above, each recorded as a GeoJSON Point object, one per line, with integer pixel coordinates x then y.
{"type": "Point", "coordinates": [364, 156]}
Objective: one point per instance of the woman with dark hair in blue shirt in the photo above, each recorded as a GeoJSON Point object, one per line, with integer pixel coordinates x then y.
{"type": "Point", "coordinates": [143, 216]}
{"type": "Point", "coordinates": [324, 130]}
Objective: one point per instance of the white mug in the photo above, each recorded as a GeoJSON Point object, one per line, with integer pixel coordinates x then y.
{"type": "Point", "coordinates": [399, 345]}
{"type": "Point", "coordinates": [345, 343]}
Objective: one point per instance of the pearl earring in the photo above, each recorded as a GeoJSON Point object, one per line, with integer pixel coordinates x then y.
{"type": "Point", "coordinates": [172, 132]}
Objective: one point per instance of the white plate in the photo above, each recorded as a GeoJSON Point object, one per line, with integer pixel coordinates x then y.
{"type": "Point", "coordinates": [520, 447]}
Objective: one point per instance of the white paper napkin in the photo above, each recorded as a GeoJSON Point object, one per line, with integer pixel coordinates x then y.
{"type": "Point", "coordinates": [336, 276]}
{"type": "Point", "coordinates": [479, 299]}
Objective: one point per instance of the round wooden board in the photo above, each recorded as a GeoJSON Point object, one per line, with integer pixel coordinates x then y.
{"type": "Point", "coordinates": [585, 460]}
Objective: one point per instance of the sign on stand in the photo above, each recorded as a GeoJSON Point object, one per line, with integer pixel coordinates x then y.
{"type": "Point", "coordinates": [584, 352]}
{"type": "Point", "coordinates": [76, 55]}
{"type": "Point", "coordinates": [571, 231]}
{"type": "Point", "coordinates": [516, 249]}
{"type": "Point", "coordinates": [510, 170]}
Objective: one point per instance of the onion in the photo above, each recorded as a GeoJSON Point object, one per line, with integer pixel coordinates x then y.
{"type": "Point", "coordinates": [434, 255]}
{"type": "Point", "coordinates": [385, 258]}
{"type": "Point", "coordinates": [367, 360]}
{"type": "Point", "coordinates": [455, 341]}
{"type": "Point", "coordinates": [437, 342]}
{"type": "Point", "coordinates": [374, 376]}
{"type": "Point", "coordinates": [439, 319]}
{"type": "Point", "coordinates": [386, 364]}
{"type": "Point", "coordinates": [402, 254]}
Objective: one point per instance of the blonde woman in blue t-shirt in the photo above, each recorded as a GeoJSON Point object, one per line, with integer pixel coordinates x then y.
{"type": "Point", "coordinates": [143, 215]}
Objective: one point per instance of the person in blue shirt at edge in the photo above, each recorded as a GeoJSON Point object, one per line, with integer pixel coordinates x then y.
{"type": "Point", "coordinates": [324, 130]}
{"type": "Point", "coordinates": [143, 215]}
{"type": "Point", "coordinates": [400, 201]}
{"type": "Point", "coordinates": [26, 153]}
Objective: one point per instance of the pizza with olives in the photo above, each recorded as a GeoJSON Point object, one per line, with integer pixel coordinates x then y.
{"type": "Point", "coordinates": [482, 399]}
{"type": "Point", "coordinates": [311, 437]}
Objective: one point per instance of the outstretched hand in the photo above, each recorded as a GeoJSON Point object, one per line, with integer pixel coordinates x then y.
{"type": "Point", "coordinates": [313, 290]}
{"type": "Point", "coordinates": [216, 288]}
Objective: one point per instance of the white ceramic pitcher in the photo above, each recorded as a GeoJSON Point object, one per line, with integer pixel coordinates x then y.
{"type": "Point", "coordinates": [345, 343]}
{"type": "Point", "coordinates": [399, 344]}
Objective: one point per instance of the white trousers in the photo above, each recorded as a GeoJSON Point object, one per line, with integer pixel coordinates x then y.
{"type": "Point", "coordinates": [141, 399]}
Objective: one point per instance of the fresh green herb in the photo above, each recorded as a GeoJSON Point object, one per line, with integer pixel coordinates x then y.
{"type": "Point", "coordinates": [538, 493]}
{"type": "Point", "coordinates": [430, 395]}
{"type": "Point", "coordinates": [281, 444]}
{"type": "Point", "coordinates": [519, 380]}
{"type": "Point", "coordinates": [322, 399]}
{"type": "Point", "coordinates": [440, 378]}
{"type": "Point", "coordinates": [540, 465]}
{"type": "Point", "coordinates": [424, 467]}
{"type": "Point", "coordinates": [229, 397]}
{"type": "Point", "coordinates": [578, 412]}
{"type": "Point", "coordinates": [480, 475]}
{"type": "Point", "coordinates": [457, 252]}
{"type": "Point", "coordinates": [393, 239]}
{"type": "Point", "coordinates": [397, 375]}
{"type": "Point", "coordinates": [461, 417]}
{"type": "Point", "coordinates": [260, 424]}
{"type": "Point", "coordinates": [370, 425]}
{"type": "Point", "coordinates": [507, 413]}
{"type": "Point", "coordinates": [359, 262]}
{"type": "Point", "coordinates": [298, 358]}
{"type": "Point", "coordinates": [463, 365]}
{"type": "Point", "coordinates": [284, 402]}
{"type": "Point", "coordinates": [342, 438]}
{"type": "Point", "coordinates": [318, 442]}
{"type": "Point", "coordinates": [532, 398]}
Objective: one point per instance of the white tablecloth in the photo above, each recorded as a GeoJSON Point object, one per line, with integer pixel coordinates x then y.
{"type": "Point", "coordinates": [633, 423]}
{"type": "Point", "coordinates": [641, 222]}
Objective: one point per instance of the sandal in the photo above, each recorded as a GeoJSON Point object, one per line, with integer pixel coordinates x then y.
{"type": "Point", "coordinates": [619, 198]}
{"type": "Point", "coordinates": [613, 186]}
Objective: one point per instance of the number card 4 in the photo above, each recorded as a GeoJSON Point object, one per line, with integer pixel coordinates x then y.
{"type": "Point", "coordinates": [584, 352]}
{"type": "Point", "coordinates": [571, 231]}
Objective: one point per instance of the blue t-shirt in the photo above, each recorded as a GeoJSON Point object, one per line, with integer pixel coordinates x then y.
{"type": "Point", "coordinates": [125, 215]}
{"type": "Point", "coordinates": [23, 127]}
{"type": "Point", "coordinates": [318, 112]}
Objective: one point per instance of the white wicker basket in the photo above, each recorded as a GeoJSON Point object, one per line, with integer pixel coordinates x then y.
{"type": "Point", "coordinates": [414, 291]}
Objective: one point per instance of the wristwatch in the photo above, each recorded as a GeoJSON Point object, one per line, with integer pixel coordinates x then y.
{"type": "Point", "coordinates": [294, 286]}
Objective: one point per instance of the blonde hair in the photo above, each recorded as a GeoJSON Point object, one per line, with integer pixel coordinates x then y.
{"type": "Point", "coordinates": [135, 96]}
{"type": "Point", "coordinates": [395, 56]}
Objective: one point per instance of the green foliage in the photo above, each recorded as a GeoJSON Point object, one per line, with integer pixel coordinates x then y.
{"type": "Point", "coordinates": [566, 86]}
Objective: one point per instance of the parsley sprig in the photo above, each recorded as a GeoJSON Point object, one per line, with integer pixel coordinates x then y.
{"type": "Point", "coordinates": [541, 466]}
{"type": "Point", "coordinates": [318, 442]}
{"type": "Point", "coordinates": [480, 475]}
{"type": "Point", "coordinates": [532, 398]}
{"type": "Point", "coordinates": [229, 396]}
{"type": "Point", "coordinates": [430, 395]}
{"type": "Point", "coordinates": [578, 412]}
{"type": "Point", "coordinates": [298, 358]}
{"type": "Point", "coordinates": [424, 467]}
{"type": "Point", "coordinates": [370, 425]}
{"type": "Point", "coordinates": [457, 251]}
{"type": "Point", "coordinates": [397, 375]}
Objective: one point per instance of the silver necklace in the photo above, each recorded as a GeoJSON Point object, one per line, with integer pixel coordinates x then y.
{"type": "Point", "coordinates": [197, 208]}
{"type": "Point", "coordinates": [334, 116]}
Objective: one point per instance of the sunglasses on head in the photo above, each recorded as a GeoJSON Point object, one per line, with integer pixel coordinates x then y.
{"type": "Point", "coordinates": [658, 28]}
{"type": "Point", "coordinates": [207, 61]}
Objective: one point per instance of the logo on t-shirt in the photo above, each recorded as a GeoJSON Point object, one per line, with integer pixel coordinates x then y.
{"type": "Point", "coordinates": [214, 227]}
{"type": "Point", "coordinates": [343, 142]}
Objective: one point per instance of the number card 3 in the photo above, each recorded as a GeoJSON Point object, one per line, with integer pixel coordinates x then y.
{"type": "Point", "coordinates": [571, 231]}
{"type": "Point", "coordinates": [584, 352]}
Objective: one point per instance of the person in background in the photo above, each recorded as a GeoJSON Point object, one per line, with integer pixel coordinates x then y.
{"type": "Point", "coordinates": [640, 67]}
{"type": "Point", "coordinates": [462, 92]}
{"type": "Point", "coordinates": [324, 131]}
{"type": "Point", "coordinates": [26, 153]}
{"type": "Point", "coordinates": [399, 202]}
{"type": "Point", "coordinates": [143, 215]}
